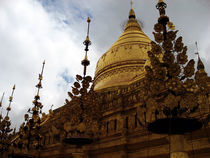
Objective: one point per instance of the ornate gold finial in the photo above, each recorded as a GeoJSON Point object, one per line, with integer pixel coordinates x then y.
{"type": "Point", "coordinates": [1, 106]}
{"type": "Point", "coordinates": [87, 43]}
{"type": "Point", "coordinates": [200, 65]}
{"type": "Point", "coordinates": [131, 13]}
{"type": "Point", "coordinates": [196, 45]}
{"type": "Point", "coordinates": [10, 100]}
{"type": "Point", "coordinates": [39, 85]}
{"type": "Point", "coordinates": [163, 19]}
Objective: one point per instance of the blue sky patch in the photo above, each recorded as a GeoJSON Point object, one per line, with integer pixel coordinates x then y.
{"type": "Point", "coordinates": [67, 77]}
{"type": "Point", "coordinates": [72, 8]}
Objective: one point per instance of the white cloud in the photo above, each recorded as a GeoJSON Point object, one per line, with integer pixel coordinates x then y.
{"type": "Point", "coordinates": [29, 35]}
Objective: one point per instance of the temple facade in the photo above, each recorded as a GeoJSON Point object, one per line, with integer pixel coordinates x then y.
{"type": "Point", "coordinates": [108, 125]}
{"type": "Point", "coordinates": [118, 79]}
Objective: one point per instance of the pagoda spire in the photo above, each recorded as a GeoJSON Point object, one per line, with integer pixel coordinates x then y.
{"type": "Point", "coordinates": [31, 126]}
{"type": "Point", "coordinates": [131, 3]}
{"type": "Point", "coordinates": [5, 129]}
{"type": "Point", "coordinates": [163, 19]}
{"type": "Point", "coordinates": [39, 85]}
{"type": "Point", "coordinates": [87, 43]}
{"type": "Point", "coordinates": [38, 105]}
{"type": "Point", "coordinates": [1, 106]}
{"type": "Point", "coordinates": [131, 13]}
{"type": "Point", "coordinates": [132, 23]}
{"type": "Point", "coordinates": [200, 65]}
{"type": "Point", "coordinates": [1, 100]}
{"type": "Point", "coordinates": [10, 100]}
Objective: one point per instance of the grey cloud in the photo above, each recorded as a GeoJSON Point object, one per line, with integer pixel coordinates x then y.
{"type": "Point", "coordinates": [55, 31]}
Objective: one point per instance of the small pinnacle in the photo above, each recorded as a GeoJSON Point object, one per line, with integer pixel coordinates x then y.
{"type": "Point", "coordinates": [197, 53]}
{"type": "Point", "coordinates": [87, 43]}
{"type": "Point", "coordinates": [200, 65]}
{"type": "Point", "coordinates": [42, 69]}
{"type": "Point", "coordinates": [10, 100]}
{"type": "Point", "coordinates": [1, 99]}
{"type": "Point", "coordinates": [131, 2]}
{"type": "Point", "coordinates": [88, 20]}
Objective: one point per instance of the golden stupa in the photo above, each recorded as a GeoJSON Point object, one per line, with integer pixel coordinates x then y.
{"type": "Point", "coordinates": [125, 60]}
{"type": "Point", "coordinates": [111, 122]}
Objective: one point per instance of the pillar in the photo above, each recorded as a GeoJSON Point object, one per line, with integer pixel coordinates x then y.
{"type": "Point", "coordinates": [79, 153]}
{"type": "Point", "coordinates": [177, 146]}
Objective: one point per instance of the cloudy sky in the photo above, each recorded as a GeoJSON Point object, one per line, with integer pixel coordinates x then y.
{"type": "Point", "coordinates": [53, 30]}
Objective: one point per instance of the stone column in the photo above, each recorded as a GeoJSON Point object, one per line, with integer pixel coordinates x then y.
{"type": "Point", "coordinates": [177, 146]}
{"type": "Point", "coordinates": [79, 153]}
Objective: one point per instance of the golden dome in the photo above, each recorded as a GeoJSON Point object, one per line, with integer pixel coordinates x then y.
{"type": "Point", "coordinates": [125, 60]}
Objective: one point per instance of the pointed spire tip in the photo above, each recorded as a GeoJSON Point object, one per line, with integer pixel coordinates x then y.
{"type": "Point", "coordinates": [131, 3]}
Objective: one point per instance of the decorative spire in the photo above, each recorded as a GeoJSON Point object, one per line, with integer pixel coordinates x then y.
{"type": "Point", "coordinates": [1, 100]}
{"type": "Point", "coordinates": [36, 103]}
{"type": "Point", "coordinates": [200, 65]}
{"type": "Point", "coordinates": [131, 2]}
{"type": "Point", "coordinates": [87, 43]}
{"type": "Point", "coordinates": [161, 7]}
{"type": "Point", "coordinates": [131, 13]}
{"type": "Point", "coordinates": [10, 100]}
{"type": "Point", "coordinates": [163, 19]}
{"type": "Point", "coordinates": [30, 128]}
{"type": "Point", "coordinates": [132, 23]}
{"type": "Point", "coordinates": [1, 105]}
{"type": "Point", "coordinates": [196, 45]}
{"type": "Point", "coordinates": [39, 85]}
{"type": "Point", "coordinates": [5, 129]}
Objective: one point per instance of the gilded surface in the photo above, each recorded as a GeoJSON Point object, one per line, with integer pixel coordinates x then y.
{"type": "Point", "coordinates": [129, 49]}
{"type": "Point", "coordinates": [112, 117]}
